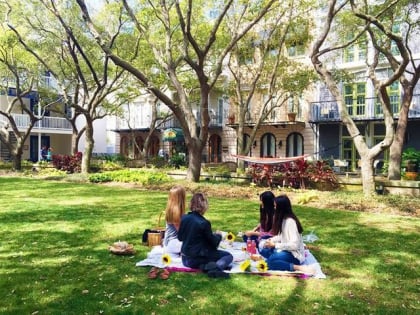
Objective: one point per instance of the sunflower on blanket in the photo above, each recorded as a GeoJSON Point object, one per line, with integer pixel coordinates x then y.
{"type": "Point", "coordinates": [230, 237]}
{"type": "Point", "coordinates": [166, 259]}
{"type": "Point", "coordinates": [262, 265]}
{"type": "Point", "coordinates": [245, 265]}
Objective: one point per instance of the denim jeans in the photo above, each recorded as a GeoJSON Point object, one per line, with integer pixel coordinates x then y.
{"type": "Point", "coordinates": [222, 258]}
{"type": "Point", "coordinates": [279, 260]}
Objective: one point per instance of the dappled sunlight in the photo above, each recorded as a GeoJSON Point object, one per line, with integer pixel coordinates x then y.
{"type": "Point", "coordinates": [56, 257]}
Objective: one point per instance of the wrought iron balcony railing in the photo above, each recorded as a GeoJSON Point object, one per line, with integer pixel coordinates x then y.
{"type": "Point", "coordinates": [360, 109]}
{"type": "Point", "coordinates": [47, 123]}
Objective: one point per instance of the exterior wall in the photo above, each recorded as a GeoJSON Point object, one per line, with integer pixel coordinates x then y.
{"type": "Point", "coordinates": [105, 139]}
{"type": "Point", "coordinates": [5, 100]}
{"type": "Point", "coordinates": [329, 141]}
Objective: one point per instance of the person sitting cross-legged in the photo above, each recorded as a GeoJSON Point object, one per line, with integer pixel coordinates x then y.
{"type": "Point", "coordinates": [285, 251]}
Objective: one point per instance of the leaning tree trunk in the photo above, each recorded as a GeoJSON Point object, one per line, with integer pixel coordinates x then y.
{"type": "Point", "coordinates": [396, 148]}
{"type": "Point", "coordinates": [74, 142]}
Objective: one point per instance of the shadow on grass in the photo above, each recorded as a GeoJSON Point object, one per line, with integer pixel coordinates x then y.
{"type": "Point", "coordinates": [54, 258]}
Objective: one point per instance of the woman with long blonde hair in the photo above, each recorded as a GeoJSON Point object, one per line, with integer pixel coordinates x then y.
{"type": "Point", "coordinates": [175, 209]}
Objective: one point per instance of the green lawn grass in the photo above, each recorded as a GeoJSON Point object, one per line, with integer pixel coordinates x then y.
{"type": "Point", "coordinates": [54, 258]}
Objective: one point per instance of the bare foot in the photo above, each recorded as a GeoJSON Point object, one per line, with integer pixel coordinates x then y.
{"type": "Point", "coordinates": [308, 270]}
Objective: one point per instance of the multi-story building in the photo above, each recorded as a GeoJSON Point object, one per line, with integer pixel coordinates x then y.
{"type": "Point", "coordinates": [52, 131]}
{"type": "Point", "coordinates": [331, 136]}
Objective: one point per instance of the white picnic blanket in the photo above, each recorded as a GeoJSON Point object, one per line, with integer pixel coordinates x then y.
{"type": "Point", "coordinates": [154, 258]}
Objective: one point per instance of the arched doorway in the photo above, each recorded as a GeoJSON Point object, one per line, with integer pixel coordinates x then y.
{"type": "Point", "coordinates": [215, 149]}
{"type": "Point", "coordinates": [268, 145]}
{"type": "Point", "coordinates": [294, 144]}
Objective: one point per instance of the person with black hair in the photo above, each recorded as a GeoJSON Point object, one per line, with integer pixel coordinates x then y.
{"type": "Point", "coordinates": [263, 229]}
{"type": "Point", "coordinates": [285, 251]}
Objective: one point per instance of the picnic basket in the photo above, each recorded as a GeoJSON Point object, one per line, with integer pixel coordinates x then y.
{"type": "Point", "coordinates": [156, 234]}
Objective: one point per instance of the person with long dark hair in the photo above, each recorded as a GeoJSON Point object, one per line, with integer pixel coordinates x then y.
{"type": "Point", "coordinates": [285, 251]}
{"type": "Point", "coordinates": [263, 229]}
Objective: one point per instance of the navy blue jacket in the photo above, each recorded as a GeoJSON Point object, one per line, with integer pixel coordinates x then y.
{"type": "Point", "coordinates": [198, 240]}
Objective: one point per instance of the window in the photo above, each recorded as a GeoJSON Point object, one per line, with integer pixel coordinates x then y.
{"type": "Point", "coordinates": [293, 104]}
{"type": "Point", "coordinates": [355, 52]}
{"type": "Point", "coordinates": [355, 98]}
{"type": "Point", "coordinates": [246, 55]}
{"type": "Point", "coordinates": [298, 37]}
{"type": "Point", "coordinates": [294, 144]}
{"type": "Point", "coordinates": [296, 50]}
{"type": "Point", "coordinates": [396, 29]}
{"type": "Point", "coordinates": [268, 145]}
{"type": "Point", "coordinates": [268, 107]}
{"type": "Point", "coordinates": [394, 97]}
{"type": "Point", "coordinates": [245, 141]}
{"type": "Point", "coordinates": [220, 111]}
{"type": "Point", "coordinates": [394, 49]}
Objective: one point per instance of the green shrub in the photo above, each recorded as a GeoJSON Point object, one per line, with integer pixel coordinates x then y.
{"type": "Point", "coordinates": [221, 170]}
{"type": "Point", "coordinates": [100, 178]}
{"type": "Point", "coordinates": [177, 160]}
{"type": "Point", "coordinates": [143, 177]}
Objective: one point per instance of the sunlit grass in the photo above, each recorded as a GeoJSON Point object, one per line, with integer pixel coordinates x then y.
{"type": "Point", "coordinates": [54, 257]}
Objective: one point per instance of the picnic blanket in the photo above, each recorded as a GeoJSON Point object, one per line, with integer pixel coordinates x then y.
{"type": "Point", "coordinates": [154, 258]}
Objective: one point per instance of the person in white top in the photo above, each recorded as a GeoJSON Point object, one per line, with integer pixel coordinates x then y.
{"type": "Point", "coordinates": [285, 251]}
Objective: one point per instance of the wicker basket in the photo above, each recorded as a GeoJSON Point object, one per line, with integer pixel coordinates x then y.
{"type": "Point", "coordinates": [122, 248]}
{"type": "Point", "coordinates": [156, 235]}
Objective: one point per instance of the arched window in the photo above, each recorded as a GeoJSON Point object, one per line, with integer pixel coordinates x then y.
{"type": "Point", "coordinates": [294, 144]}
{"type": "Point", "coordinates": [268, 145]}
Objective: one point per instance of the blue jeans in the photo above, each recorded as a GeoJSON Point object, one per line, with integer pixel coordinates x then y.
{"type": "Point", "coordinates": [279, 260]}
{"type": "Point", "coordinates": [222, 258]}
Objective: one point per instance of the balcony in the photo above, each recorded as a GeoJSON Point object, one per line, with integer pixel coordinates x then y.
{"type": "Point", "coordinates": [46, 124]}
{"type": "Point", "coordinates": [216, 121]}
{"type": "Point", "coordinates": [274, 119]}
{"type": "Point", "coordinates": [370, 109]}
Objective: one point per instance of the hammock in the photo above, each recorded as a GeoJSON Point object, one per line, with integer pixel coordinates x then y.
{"type": "Point", "coordinates": [259, 160]}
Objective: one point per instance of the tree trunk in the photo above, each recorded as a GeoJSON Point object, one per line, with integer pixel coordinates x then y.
{"type": "Point", "coordinates": [194, 163]}
{"type": "Point", "coordinates": [395, 151]}
{"type": "Point", "coordinates": [87, 155]}
{"type": "Point", "coordinates": [368, 179]}
{"type": "Point", "coordinates": [396, 148]}
{"type": "Point", "coordinates": [74, 142]}
{"type": "Point", "coordinates": [17, 162]}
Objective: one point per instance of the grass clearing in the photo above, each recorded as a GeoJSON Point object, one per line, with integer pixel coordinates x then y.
{"type": "Point", "coordinates": [54, 258]}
